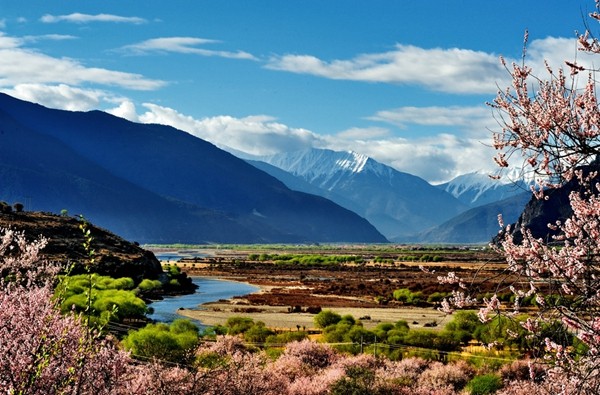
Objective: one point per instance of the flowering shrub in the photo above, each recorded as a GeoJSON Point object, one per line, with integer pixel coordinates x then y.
{"type": "Point", "coordinates": [311, 353]}
{"type": "Point", "coordinates": [42, 351]}
{"type": "Point", "coordinates": [441, 376]}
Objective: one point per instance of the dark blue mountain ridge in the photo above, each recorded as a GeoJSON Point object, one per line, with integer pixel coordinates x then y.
{"type": "Point", "coordinates": [173, 186]}
{"type": "Point", "coordinates": [51, 176]}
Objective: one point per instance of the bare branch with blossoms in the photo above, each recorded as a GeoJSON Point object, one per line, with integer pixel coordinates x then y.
{"type": "Point", "coordinates": [550, 125]}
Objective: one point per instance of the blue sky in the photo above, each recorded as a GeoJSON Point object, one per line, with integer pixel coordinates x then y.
{"type": "Point", "coordinates": [404, 82]}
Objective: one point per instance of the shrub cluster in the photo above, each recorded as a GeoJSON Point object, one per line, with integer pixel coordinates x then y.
{"type": "Point", "coordinates": [101, 298]}
{"type": "Point", "coordinates": [256, 332]}
{"type": "Point", "coordinates": [176, 279]}
{"type": "Point", "coordinates": [176, 342]}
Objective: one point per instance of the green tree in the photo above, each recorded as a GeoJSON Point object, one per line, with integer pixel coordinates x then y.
{"type": "Point", "coordinates": [149, 285]}
{"type": "Point", "coordinates": [236, 325]}
{"type": "Point", "coordinates": [484, 385]}
{"type": "Point", "coordinates": [326, 318]}
{"type": "Point", "coordinates": [258, 333]}
{"type": "Point", "coordinates": [175, 343]}
{"type": "Point", "coordinates": [464, 325]}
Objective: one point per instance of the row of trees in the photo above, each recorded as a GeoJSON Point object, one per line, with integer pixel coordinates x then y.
{"type": "Point", "coordinates": [7, 208]}
{"type": "Point", "coordinates": [305, 259]}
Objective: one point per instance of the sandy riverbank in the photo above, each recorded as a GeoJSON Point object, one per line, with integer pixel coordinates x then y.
{"type": "Point", "coordinates": [279, 317]}
{"type": "Point", "coordinates": [217, 313]}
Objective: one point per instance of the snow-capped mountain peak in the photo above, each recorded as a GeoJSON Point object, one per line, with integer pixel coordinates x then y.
{"type": "Point", "coordinates": [478, 188]}
{"type": "Point", "coordinates": [397, 203]}
{"type": "Point", "coordinates": [355, 163]}
{"type": "Point", "coordinates": [323, 165]}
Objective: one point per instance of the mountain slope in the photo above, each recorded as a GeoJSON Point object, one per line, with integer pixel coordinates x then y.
{"type": "Point", "coordinates": [106, 167]}
{"type": "Point", "coordinates": [477, 225]}
{"type": "Point", "coordinates": [555, 206]}
{"type": "Point", "coordinates": [398, 204]}
{"type": "Point", "coordinates": [52, 177]}
{"type": "Point", "coordinates": [113, 256]}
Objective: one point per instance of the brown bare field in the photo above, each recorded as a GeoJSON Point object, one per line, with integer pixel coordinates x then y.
{"type": "Point", "coordinates": [362, 290]}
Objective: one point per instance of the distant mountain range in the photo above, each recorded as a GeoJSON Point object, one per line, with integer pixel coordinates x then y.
{"type": "Point", "coordinates": [403, 207]}
{"type": "Point", "coordinates": [397, 203]}
{"type": "Point", "coordinates": [155, 184]}
{"type": "Point", "coordinates": [478, 189]}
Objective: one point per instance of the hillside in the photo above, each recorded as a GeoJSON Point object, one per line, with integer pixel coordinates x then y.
{"type": "Point", "coordinates": [154, 183]}
{"type": "Point", "coordinates": [113, 255]}
{"type": "Point", "coordinates": [555, 206]}
{"type": "Point", "coordinates": [477, 225]}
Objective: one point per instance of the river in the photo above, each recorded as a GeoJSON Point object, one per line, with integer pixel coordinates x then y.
{"type": "Point", "coordinates": [209, 290]}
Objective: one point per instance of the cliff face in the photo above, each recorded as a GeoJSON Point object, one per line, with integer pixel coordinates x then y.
{"type": "Point", "coordinates": [538, 213]}
{"type": "Point", "coordinates": [113, 256]}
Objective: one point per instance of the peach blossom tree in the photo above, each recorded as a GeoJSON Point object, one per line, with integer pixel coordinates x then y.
{"type": "Point", "coordinates": [550, 126]}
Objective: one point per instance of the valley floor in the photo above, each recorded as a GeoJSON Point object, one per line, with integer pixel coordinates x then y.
{"type": "Point", "coordinates": [290, 294]}
{"type": "Point", "coordinates": [278, 317]}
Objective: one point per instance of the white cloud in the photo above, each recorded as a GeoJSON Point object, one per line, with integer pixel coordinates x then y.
{"type": "Point", "coordinates": [437, 158]}
{"type": "Point", "coordinates": [474, 119]}
{"type": "Point", "coordinates": [185, 45]}
{"type": "Point", "coordinates": [125, 110]}
{"type": "Point", "coordinates": [19, 65]}
{"type": "Point", "coordinates": [364, 133]}
{"type": "Point", "coordinates": [87, 18]}
{"type": "Point", "coordinates": [256, 135]}
{"type": "Point", "coordinates": [555, 51]}
{"type": "Point", "coordinates": [62, 96]}
{"type": "Point", "coordinates": [7, 42]}
{"type": "Point", "coordinates": [452, 70]}
{"type": "Point", "coordinates": [448, 70]}
{"type": "Point", "coordinates": [52, 37]}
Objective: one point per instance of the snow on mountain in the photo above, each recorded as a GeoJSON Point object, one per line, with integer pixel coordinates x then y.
{"type": "Point", "coordinates": [324, 167]}
{"type": "Point", "coordinates": [398, 204]}
{"type": "Point", "coordinates": [477, 188]}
